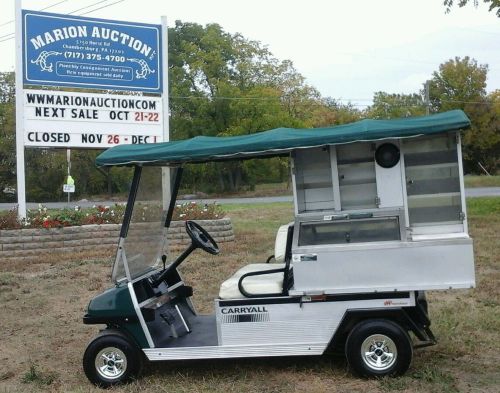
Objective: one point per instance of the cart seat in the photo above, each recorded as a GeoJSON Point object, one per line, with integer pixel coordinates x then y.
{"type": "Point", "coordinates": [269, 283]}
{"type": "Point", "coordinates": [262, 284]}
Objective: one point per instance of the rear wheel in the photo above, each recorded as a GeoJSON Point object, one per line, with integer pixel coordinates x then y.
{"type": "Point", "coordinates": [111, 359]}
{"type": "Point", "coordinates": [376, 348]}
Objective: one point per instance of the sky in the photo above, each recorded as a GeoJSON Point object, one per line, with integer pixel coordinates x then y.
{"type": "Point", "coordinates": [348, 50]}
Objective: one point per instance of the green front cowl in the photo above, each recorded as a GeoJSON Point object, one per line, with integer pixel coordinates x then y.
{"type": "Point", "coordinates": [114, 308]}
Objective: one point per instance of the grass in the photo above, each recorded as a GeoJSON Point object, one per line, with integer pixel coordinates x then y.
{"type": "Point", "coordinates": [484, 206]}
{"type": "Point", "coordinates": [260, 190]}
{"type": "Point", "coordinates": [43, 339]}
{"type": "Point", "coordinates": [481, 181]}
{"type": "Point", "coordinates": [35, 376]}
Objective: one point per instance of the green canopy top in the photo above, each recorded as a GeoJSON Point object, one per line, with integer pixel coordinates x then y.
{"type": "Point", "coordinates": [279, 141]}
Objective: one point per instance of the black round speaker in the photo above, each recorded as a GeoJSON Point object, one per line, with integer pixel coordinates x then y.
{"type": "Point", "coordinates": [387, 155]}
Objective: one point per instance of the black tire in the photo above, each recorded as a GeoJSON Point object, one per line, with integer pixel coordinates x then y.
{"type": "Point", "coordinates": [378, 347]}
{"type": "Point", "coordinates": [125, 360]}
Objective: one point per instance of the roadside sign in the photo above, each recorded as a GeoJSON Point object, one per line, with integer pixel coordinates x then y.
{"type": "Point", "coordinates": [90, 120]}
{"type": "Point", "coordinates": [68, 188]}
{"type": "Point", "coordinates": [65, 50]}
{"type": "Point", "coordinates": [55, 50]}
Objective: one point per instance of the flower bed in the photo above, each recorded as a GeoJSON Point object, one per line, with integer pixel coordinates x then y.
{"type": "Point", "coordinates": [58, 218]}
{"type": "Point", "coordinates": [97, 229]}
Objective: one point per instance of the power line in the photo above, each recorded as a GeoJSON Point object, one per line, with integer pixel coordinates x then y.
{"type": "Point", "coordinates": [105, 6]}
{"type": "Point", "coordinates": [10, 36]}
{"type": "Point", "coordinates": [88, 6]}
{"type": "Point", "coordinates": [53, 5]}
{"type": "Point", "coordinates": [349, 101]}
{"type": "Point", "coordinates": [6, 35]}
{"type": "Point", "coordinates": [43, 9]}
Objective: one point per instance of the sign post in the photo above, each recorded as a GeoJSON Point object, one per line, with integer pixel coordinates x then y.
{"type": "Point", "coordinates": [21, 182]}
{"type": "Point", "coordinates": [69, 186]}
{"type": "Point", "coordinates": [166, 186]}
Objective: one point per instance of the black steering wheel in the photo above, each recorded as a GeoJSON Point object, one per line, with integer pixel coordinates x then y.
{"type": "Point", "coordinates": [201, 238]}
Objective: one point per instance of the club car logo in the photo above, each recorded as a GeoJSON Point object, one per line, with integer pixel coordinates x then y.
{"type": "Point", "coordinates": [244, 314]}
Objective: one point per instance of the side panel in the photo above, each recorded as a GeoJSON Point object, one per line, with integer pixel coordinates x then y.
{"type": "Point", "coordinates": [279, 323]}
{"type": "Point", "coordinates": [389, 266]}
{"type": "Point", "coordinates": [258, 328]}
{"type": "Point", "coordinates": [291, 323]}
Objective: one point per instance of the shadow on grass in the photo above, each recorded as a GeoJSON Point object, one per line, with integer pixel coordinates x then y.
{"type": "Point", "coordinates": [236, 368]}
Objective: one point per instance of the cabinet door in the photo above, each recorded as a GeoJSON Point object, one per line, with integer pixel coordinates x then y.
{"type": "Point", "coordinates": [433, 182]}
{"type": "Point", "coordinates": [313, 179]}
{"type": "Point", "coordinates": [389, 183]}
{"type": "Point", "coordinates": [356, 170]}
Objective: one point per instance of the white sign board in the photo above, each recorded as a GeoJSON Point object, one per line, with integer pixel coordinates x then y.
{"type": "Point", "coordinates": [68, 188]}
{"type": "Point", "coordinates": [64, 50]}
{"type": "Point", "coordinates": [64, 119]}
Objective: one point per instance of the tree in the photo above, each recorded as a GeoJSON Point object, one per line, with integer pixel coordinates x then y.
{"type": "Point", "coordinates": [494, 4]}
{"type": "Point", "coordinates": [390, 106]}
{"type": "Point", "coordinates": [457, 83]}
{"type": "Point", "coordinates": [330, 112]}
{"type": "Point", "coordinates": [7, 135]}
{"type": "Point", "coordinates": [482, 141]}
{"type": "Point", "coordinates": [225, 85]}
{"type": "Point", "coordinates": [461, 84]}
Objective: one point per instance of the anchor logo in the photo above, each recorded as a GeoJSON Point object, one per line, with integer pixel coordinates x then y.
{"type": "Point", "coordinates": [144, 71]}
{"type": "Point", "coordinates": [42, 60]}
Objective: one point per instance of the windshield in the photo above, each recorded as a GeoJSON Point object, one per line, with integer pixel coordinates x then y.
{"type": "Point", "coordinates": [146, 239]}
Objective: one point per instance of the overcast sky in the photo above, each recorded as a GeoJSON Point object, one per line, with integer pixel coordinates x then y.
{"type": "Point", "coordinates": [346, 49]}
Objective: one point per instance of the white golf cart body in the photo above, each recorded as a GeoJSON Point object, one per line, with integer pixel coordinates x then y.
{"type": "Point", "coordinates": [367, 240]}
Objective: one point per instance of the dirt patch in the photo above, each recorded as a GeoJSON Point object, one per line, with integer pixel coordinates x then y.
{"type": "Point", "coordinates": [43, 338]}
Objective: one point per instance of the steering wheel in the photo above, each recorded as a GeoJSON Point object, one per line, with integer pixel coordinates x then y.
{"type": "Point", "coordinates": [201, 238]}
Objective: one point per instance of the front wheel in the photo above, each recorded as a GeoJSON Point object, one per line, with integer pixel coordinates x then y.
{"type": "Point", "coordinates": [111, 359]}
{"type": "Point", "coordinates": [376, 348]}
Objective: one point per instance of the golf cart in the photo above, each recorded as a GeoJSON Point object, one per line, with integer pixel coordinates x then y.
{"type": "Point", "coordinates": [379, 219]}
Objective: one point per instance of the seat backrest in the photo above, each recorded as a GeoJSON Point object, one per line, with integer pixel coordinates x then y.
{"type": "Point", "coordinates": [280, 244]}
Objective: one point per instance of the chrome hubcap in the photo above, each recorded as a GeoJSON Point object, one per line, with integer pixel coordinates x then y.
{"type": "Point", "coordinates": [111, 363]}
{"type": "Point", "coordinates": [379, 352]}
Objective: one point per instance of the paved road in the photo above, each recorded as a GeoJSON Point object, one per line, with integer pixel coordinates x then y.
{"type": "Point", "coordinates": [85, 203]}
{"type": "Point", "coordinates": [469, 192]}
{"type": "Point", "coordinates": [482, 191]}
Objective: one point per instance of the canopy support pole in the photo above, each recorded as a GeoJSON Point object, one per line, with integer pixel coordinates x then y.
{"type": "Point", "coordinates": [173, 198]}
{"type": "Point", "coordinates": [130, 202]}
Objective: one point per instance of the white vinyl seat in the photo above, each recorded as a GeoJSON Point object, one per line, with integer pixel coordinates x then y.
{"type": "Point", "coordinates": [259, 284]}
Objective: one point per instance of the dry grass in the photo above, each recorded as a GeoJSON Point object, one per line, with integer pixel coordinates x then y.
{"type": "Point", "coordinates": [42, 336]}
{"type": "Point", "coordinates": [482, 181]}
